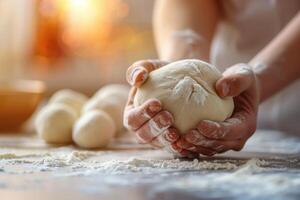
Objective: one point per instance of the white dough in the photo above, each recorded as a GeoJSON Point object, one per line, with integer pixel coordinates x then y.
{"type": "Point", "coordinates": [111, 99]}
{"type": "Point", "coordinates": [71, 98]}
{"type": "Point", "coordinates": [54, 123]}
{"type": "Point", "coordinates": [186, 89]}
{"type": "Point", "coordinates": [94, 129]}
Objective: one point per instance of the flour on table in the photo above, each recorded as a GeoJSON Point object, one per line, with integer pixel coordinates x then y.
{"type": "Point", "coordinates": [90, 162]}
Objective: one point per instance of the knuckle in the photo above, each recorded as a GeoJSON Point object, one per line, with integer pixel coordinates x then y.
{"type": "Point", "coordinates": [171, 135]}
{"type": "Point", "coordinates": [166, 116]}
{"type": "Point", "coordinates": [130, 120]}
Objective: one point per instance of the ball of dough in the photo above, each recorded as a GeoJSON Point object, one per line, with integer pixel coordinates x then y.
{"type": "Point", "coordinates": [186, 89]}
{"type": "Point", "coordinates": [94, 129]}
{"type": "Point", "coordinates": [111, 99]}
{"type": "Point", "coordinates": [54, 123]}
{"type": "Point", "coordinates": [115, 90]}
{"type": "Point", "coordinates": [71, 98]}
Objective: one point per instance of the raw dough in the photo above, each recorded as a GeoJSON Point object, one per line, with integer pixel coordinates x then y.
{"type": "Point", "coordinates": [186, 89]}
{"type": "Point", "coordinates": [94, 129]}
{"type": "Point", "coordinates": [111, 99]}
{"type": "Point", "coordinates": [54, 123]}
{"type": "Point", "coordinates": [71, 98]}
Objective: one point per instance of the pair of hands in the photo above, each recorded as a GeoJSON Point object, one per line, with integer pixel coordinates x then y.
{"type": "Point", "coordinates": [152, 124]}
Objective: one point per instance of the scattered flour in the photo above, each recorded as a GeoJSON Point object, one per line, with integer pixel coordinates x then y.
{"type": "Point", "coordinates": [247, 181]}
{"type": "Point", "coordinates": [89, 162]}
{"type": "Point", "coordinates": [156, 166]}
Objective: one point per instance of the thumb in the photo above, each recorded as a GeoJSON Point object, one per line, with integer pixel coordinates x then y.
{"type": "Point", "coordinates": [235, 80]}
{"type": "Point", "coordinates": [139, 71]}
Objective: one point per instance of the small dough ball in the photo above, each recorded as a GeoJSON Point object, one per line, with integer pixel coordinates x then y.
{"type": "Point", "coordinates": [54, 123]}
{"type": "Point", "coordinates": [111, 99]}
{"type": "Point", "coordinates": [94, 129]}
{"type": "Point", "coordinates": [186, 88]}
{"type": "Point", "coordinates": [71, 98]}
{"type": "Point", "coordinates": [115, 90]}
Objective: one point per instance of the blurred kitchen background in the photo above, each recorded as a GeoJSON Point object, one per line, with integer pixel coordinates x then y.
{"type": "Point", "coordinates": [77, 44]}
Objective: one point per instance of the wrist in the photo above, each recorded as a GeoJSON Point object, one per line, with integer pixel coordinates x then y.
{"type": "Point", "coordinates": [258, 68]}
{"type": "Point", "coordinates": [185, 44]}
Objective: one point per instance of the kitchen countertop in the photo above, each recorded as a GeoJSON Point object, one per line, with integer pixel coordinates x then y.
{"type": "Point", "coordinates": [267, 168]}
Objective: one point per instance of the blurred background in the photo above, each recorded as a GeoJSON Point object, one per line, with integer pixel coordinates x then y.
{"type": "Point", "coordinates": [77, 44]}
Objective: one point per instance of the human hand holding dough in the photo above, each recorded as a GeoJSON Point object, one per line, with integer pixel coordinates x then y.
{"type": "Point", "coordinates": [186, 89]}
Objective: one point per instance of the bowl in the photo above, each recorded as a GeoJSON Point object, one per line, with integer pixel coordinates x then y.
{"type": "Point", "coordinates": [18, 101]}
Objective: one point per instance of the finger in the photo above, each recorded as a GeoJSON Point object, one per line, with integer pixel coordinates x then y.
{"type": "Point", "coordinates": [188, 154]}
{"type": "Point", "coordinates": [221, 146]}
{"type": "Point", "coordinates": [131, 95]}
{"type": "Point", "coordinates": [134, 118]}
{"type": "Point", "coordinates": [155, 126]}
{"type": "Point", "coordinates": [173, 149]}
{"type": "Point", "coordinates": [184, 144]}
{"type": "Point", "coordinates": [138, 72]}
{"type": "Point", "coordinates": [235, 81]}
{"type": "Point", "coordinates": [179, 152]}
{"type": "Point", "coordinates": [194, 137]}
{"type": "Point", "coordinates": [235, 128]}
{"type": "Point", "coordinates": [168, 137]}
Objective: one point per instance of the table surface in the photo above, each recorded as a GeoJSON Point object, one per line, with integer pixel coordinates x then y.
{"type": "Point", "coordinates": [277, 177]}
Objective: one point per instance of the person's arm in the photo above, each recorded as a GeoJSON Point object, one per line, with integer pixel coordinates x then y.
{"type": "Point", "coordinates": [184, 29]}
{"type": "Point", "coordinates": [278, 64]}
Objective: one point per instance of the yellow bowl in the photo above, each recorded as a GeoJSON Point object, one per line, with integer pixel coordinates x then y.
{"type": "Point", "coordinates": [18, 101]}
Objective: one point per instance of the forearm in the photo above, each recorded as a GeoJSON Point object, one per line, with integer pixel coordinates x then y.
{"type": "Point", "coordinates": [278, 64]}
{"type": "Point", "coordinates": [184, 29]}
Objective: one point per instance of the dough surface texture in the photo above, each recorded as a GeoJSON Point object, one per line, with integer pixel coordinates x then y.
{"type": "Point", "coordinates": [186, 89]}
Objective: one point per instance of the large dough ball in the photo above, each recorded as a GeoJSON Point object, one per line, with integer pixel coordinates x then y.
{"type": "Point", "coordinates": [94, 129]}
{"type": "Point", "coordinates": [186, 89]}
{"type": "Point", "coordinates": [54, 123]}
{"type": "Point", "coordinates": [71, 98]}
{"type": "Point", "coordinates": [111, 99]}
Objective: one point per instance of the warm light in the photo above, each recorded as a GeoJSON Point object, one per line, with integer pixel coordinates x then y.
{"type": "Point", "coordinates": [84, 27]}
{"type": "Point", "coordinates": [78, 3]}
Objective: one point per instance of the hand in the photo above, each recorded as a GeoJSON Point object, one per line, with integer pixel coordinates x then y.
{"type": "Point", "coordinates": [210, 137]}
{"type": "Point", "coordinates": [150, 122]}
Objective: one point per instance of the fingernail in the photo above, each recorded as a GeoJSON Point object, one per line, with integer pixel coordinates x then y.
{"type": "Point", "coordinates": [225, 89]}
{"type": "Point", "coordinates": [191, 148]}
{"type": "Point", "coordinates": [154, 107]}
{"type": "Point", "coordinates": [166, 119]}
{"type": "Point", "coordinates": [171, 136]}
{"type": "Point", "coordinates": [175, 148]}
{"type": "Point", "coordinates": [136, 74]}
{"type": "Point", "coordinates": [213, 153]}
{"type": "Point", "coordinates": [221, 147]}
{"type": "Point", "coordinates": [207, 127]}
